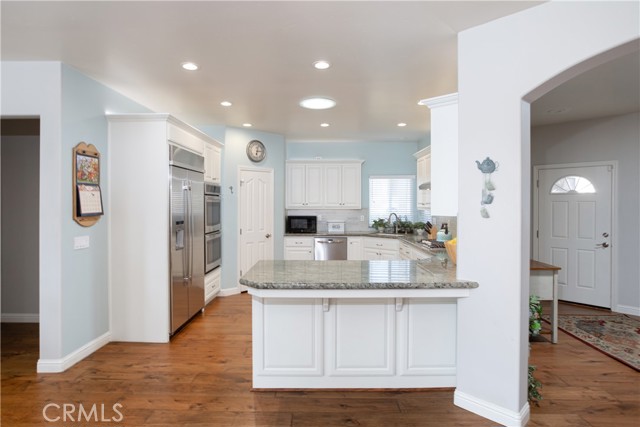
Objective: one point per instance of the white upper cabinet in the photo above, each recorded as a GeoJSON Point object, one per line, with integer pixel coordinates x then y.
{"type": "Point", "coordinates": [423, 178]}
{"type": "Point", "coordinates": [330, 185]}
{"type": "Point", "coordinates": [304, 185]}
{"type": "Point", "coordinates": [444, 154]}
{"type": "Point", "coordinates": [212, 163]}
{"type": "Point", "coordinates": [343, 186]}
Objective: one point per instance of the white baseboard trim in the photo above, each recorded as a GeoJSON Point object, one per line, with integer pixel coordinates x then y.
{"type": "Point", "coordinates": [492, 411]}
{"type": "Point", "coordinates": [627, 309]}
{"type": "Point", "coordinates": [20, 318]}
{"type": "Point", "coordinates": [61, 365]}
{"type": "Point", "coordinates": [229, 291]}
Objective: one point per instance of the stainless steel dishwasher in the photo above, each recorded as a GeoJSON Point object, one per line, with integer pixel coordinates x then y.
{"type": "Point", "coordinates": [330, 248]}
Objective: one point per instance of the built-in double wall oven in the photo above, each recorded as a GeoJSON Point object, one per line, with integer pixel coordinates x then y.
{"type": "Point", "coordinates": [212, 227]}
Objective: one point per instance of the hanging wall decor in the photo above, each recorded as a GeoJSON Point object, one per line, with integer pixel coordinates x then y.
{"type": "Point", "coordinates": [487, 167]}
{"type": "Point", "coordinates": [87, 196]}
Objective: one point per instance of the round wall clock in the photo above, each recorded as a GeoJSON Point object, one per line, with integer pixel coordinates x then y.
{"type": "Point", "coordinates": [256, 151]}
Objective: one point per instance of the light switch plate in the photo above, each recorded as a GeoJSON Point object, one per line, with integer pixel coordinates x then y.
{"type": "Point", "coordinates": [80, 242]}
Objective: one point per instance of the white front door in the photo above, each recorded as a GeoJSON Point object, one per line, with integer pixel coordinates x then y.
{"type": "Point", "coordinates": [256, 217]}
{"type": "Point", "coordinates": [575, 230]}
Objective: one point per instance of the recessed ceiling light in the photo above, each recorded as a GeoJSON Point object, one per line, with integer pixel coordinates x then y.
{"type": "Point", "coordinates": [189, 66]}
{"type": "Point", "coordinates": [247, 125]}
{"type": "Point", "coordinates": [402, 125]}
{"type": "Point", "coordinates": [226, 104]}
{"type": "Point", "coordinates": [321, 65]}
{"type": "Point", "coordinates": [317, 103]}
{"type": "Point", "coordinates": [324, 125]}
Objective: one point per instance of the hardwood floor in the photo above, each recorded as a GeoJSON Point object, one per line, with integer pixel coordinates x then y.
{"type": "Point", "coordinates": [203, 378]}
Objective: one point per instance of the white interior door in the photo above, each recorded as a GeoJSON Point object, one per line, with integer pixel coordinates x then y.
{"type": "Point", "coordinates": [575, 230]}
{"type": "Point", "coordinates": [256, 217]}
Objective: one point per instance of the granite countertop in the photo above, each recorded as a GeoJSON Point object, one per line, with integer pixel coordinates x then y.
{"type": "Point", "coordinates": [396, 274]}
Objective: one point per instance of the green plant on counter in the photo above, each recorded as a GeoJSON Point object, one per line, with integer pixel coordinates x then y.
{"type": "Point", "coordinates": [379, 223]}
{"type": "Point", "coordinates": [418, 225]}
{"type": "Point", "coordinates": [535, 317]}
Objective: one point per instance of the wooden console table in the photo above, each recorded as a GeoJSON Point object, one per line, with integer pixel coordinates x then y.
{"type": "Point", "coordinates": [543, 283]}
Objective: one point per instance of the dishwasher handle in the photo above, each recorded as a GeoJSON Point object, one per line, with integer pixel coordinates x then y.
{"type": "Point", "coordinates": [330, 241]}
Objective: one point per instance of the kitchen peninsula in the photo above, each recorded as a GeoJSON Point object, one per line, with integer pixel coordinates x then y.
{"type": "Point", "coordinates": [354, 324]}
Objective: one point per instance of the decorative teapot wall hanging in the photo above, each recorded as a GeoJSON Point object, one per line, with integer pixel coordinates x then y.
{"type": "Point", "coordinates": [487, 167]}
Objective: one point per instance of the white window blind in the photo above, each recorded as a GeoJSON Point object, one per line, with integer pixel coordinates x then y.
{"type": "Point", "coordinates": [389, 194]}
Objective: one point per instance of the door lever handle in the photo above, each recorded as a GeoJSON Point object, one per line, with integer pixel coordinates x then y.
{"type": "Point", "coordinates": [267, 235]}
{"type": "Point", "coordinates": [602, 245]}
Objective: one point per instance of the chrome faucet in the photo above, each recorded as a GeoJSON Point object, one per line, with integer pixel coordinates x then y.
{"type": "Point", "coordinates": [395, 224]}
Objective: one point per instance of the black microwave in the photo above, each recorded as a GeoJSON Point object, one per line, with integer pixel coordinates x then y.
{"type": "Point", "coordinates": [302, 224]}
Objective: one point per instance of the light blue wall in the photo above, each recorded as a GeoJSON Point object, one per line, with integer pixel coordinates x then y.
{"type": "Point", "coordinates": [234, 155]}
{"type": "Point", "coordinates": [381, 158]}
{"type": "Point", "coordinates": [424, 142]}
{"type": "Point", "coordinates": [85, 298]}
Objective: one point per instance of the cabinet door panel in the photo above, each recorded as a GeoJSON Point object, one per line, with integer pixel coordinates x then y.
{"type": "Point", "coordinates": [295, 186]}
{"type": "Point", "coordinates": [351, 186]}
{"type": "Point", "coordinates": [333, 186]}
{"type": "Point", "coordinates": [361, 335]}
{"type": "Point", "coordinates": [314, 186]}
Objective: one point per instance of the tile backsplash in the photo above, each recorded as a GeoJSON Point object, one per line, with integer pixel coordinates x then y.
{"type": "Point", "coordinates": [452, 222]}
{"type": "Point", "coordinates": [351, 218]}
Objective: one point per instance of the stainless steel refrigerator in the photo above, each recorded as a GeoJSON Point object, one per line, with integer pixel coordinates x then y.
{"type": "Point", "coordinates": [187, 235]}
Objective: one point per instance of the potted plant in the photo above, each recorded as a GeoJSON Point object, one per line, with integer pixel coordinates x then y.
{"type": "Point", "coordinates": [418, 226]}
{"type": "Point", "coordinates": [535, 315]}
{"type": "Point", "coordinates": [379, 224]}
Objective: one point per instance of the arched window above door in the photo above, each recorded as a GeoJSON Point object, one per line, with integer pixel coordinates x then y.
{"type": "Point", "coordinates": [572, 184]}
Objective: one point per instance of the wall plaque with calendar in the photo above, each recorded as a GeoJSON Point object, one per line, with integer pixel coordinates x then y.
{"type": "Point", "coordinates": [87, 195]}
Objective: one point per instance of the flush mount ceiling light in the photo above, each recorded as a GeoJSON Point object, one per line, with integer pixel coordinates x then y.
{"type": "Point", "coordinates": [322, 65]}
{"type": "Point", "coordinates": [324, 125]}
{"type": "Point", "coordinates": [402, 125]}
{"type": "Point", "coordinates": [247, 125]}
{"type": "Point", "coordinates": [189, 66]}
{"type": "Point", "coordinates": [226, 104]}
{"type": "Point", "coordinates": [318, 103]}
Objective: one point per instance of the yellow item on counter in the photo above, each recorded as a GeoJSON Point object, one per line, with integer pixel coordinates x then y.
{"type": "Point", "coordinates": [452, 247]}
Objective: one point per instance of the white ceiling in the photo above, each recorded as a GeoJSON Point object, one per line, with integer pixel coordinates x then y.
{"type": "Point", "coordinates": [385, 57]}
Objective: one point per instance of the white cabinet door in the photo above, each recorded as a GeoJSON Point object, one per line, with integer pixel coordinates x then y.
{"type": "Point", "coordinates": [296, 190]}
{"type": "Point", "coordinates": [423, 176]}
{"type": "Point", "coordinates": [351, 186]}
{"type": "Point", "coordinates": [330, 185]}
{"type": "Point", "coordinates": [211, 285]}
{"type": "Point", "coordinates": [298, 248]}
{"type": "Point", "coordinates": [314, 186]}
{"type": "Point", "coordinates": [444, 152]}
{"type": "Point", "coordinates": [333, 186]}
{"type": "Point", "coordinates": [305, 186]}
{"type": "Point", "coordinates": [380, 248]}
{"type": "Point", "coordinates": [361, 337]}
{"type": "Point", "coordinates": [212, 163]}
{"type": "Point", "coordinates": [354, 248]}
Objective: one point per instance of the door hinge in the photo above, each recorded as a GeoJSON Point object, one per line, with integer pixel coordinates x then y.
{"type": "Point", "coordinates": [537, 234]}
{"type": "Point", "coordinates": [241, 231]}
{"type": "Point", "coordinates": [240, 273]}
{"type": "Point", "coordinates": [537, 183]}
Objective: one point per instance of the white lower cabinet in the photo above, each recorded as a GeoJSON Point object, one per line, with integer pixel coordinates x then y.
{"type": "Point", "coordinates": [405, 251]}
{"type": "Point", "coordinates": [212, 285]}
{"type": "Point", "coordinates": [354, 342]}
{"type": "Point", "coordinates": [298, 248]}
{"type": "Point", "coordinates": [380, 248]}
{"type": "Point", "coordinates": [354, 249]}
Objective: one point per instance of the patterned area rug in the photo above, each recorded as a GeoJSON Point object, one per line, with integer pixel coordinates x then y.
{"type": "Point", "coordinates": [616, 335]}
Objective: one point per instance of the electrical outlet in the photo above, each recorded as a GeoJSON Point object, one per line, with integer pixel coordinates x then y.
{"type": "Point", "coordinates": [361, 218]}
{"type": "Point", "coordinates": [80, 242]}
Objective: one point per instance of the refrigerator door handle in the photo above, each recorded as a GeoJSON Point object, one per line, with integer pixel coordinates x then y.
{"type": "Point", "coordinates": [191, 232]}
{"type": "Point", "coordinates": [187, 234]}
